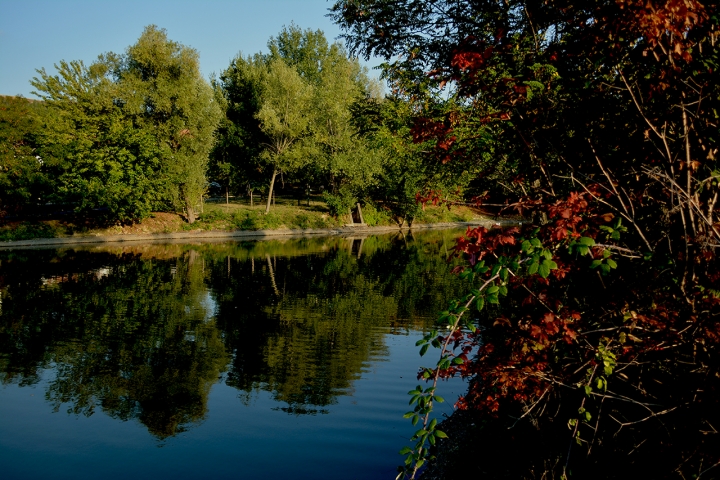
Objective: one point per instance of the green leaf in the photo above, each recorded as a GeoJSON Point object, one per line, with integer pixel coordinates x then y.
{"type": "Point", "coordinates": [503, 290]}
{"type": "Point", "coordinates": [533, 268]}
{"type": "Point", "coordinates": [492, 290]}
{"type": "Point", "coordinates": [504, 274]}
{"type": "Point", "coordinates": [536, 242]}
{"type": "Point", "coordinates": [595, 263]}
{"type": "Point", "coordinates": [405, 451]}
{"type": "Point", "coordinates": [526, 246]}
{"type": "Point", "coordinates": [458, 361]}
{"type": "Point", "coordinates": [415, 420]}
{"type": "Point", "coordinates": [421, 342]}
{"type": "Point", "coordinates": [424, 349]}
{"type": "Point", "coordinates": [544, 270]}
{"type": "Point", "coordinates": [433, 422]}
{"type": "Point", "coordinates": [611, 263]}
{"type": "Point", "coordinates": [439, 399]}
{"type": "Point", "coordinates": [409, 414]}
{"type": "Point", "coordinates": [600, 383]}
{"type": "Point", "coordinates": [492, 299]}
{"type": "Point", "coordinates": [440, 434]}
{"type": "Point", "coordinates": [586, 241]}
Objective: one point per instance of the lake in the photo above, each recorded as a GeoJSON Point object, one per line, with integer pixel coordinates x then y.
{"type": "Point", "coordinates": [271, 359]}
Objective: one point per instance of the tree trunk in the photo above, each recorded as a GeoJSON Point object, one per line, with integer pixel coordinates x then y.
{"type": "Point", "coordinates": [270, 192]}
{"type": "Point", "coordinates": [190, 213]}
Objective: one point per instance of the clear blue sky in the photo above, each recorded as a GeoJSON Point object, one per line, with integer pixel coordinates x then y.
{"type": "Point", "coordinates": [39, 33]}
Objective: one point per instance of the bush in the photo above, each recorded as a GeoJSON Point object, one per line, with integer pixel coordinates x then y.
{"type": "Point", "coordinates": [374, 217]}
{"type": "Point", "coordinates": [339, 203]}
{"type": "Point", "coordinates": [27, 231]}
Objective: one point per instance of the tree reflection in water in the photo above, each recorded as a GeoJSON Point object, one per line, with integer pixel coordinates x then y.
{"type": "Point", "coordinates": [144, 332]}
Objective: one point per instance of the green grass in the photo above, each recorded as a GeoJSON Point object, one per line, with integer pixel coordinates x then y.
{"type": "Point", "coordinates": [288, 214]}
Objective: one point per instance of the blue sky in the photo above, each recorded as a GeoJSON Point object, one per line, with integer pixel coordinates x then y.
{"type": "Point", "coordinates": [39, 33]}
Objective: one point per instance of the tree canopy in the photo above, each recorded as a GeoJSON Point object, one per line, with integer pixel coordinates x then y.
{"type": "Point", "coordinates": [290, 112]}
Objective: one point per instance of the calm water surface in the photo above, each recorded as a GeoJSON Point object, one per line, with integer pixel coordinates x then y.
{"type": "Point", "coordinates": [277, 359]}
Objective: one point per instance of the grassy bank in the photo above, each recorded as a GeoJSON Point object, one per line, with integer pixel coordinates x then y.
{"type": "Point", "coordinates": [219, 216]}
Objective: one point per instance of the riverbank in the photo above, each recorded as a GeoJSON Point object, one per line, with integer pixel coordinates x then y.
{"type": "Point", "coordinates": [214, 235]}
{"type": "Point", "coordinates": [234, 220]}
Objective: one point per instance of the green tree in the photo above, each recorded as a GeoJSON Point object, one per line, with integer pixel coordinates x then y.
{"type": "Point", "coordinates": [236, 155]}
{"type": "Point", "coordinates": [167, 96]}
{"type": "Point", "coordinates": [284, 117]}
{"type": "Point", "coordinates": [102, 160]}
{"type": "Point", "coordinates": [22, 177]}
{"type": "Point", "coordinates": [345, 158]}
{"type": "Point", "coordinates": [339, 155]}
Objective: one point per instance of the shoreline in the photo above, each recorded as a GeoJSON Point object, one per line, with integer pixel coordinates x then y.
{"type": "Point", "coordinates": [210, 235]}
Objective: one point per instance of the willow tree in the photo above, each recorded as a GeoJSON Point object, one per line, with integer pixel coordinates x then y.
{"type": "Point", "coordinates": [284, 117]}
{"type": "Point", "coordinates": [168, 96]}
{"type": "Point", "coordinates": [338, 154]}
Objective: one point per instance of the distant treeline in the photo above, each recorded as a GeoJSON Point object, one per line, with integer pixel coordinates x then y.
{"type": "Point", "coordinates": [143, 131]}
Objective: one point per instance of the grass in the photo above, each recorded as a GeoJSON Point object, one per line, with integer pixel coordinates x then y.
{"type": "Point", "coordinates": [236, 215]}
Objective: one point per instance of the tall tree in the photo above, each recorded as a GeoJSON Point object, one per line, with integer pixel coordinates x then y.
{"type": "Point", "coordinates": [168, 96]}
{"type": "Point", "coordinates": [284, 117]}
{"type": "Point", "coordinates": [236, 155]}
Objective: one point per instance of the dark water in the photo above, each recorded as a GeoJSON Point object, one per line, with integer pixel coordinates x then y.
{"type": "Point", "coordinates": [225, 360]}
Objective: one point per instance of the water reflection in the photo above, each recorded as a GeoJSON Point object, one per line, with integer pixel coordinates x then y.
{"type": "Point", "coordinates": [144, 332]}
